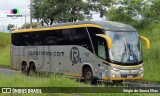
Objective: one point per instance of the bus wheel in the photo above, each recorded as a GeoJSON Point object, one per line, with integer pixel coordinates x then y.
{"type": "Point", "coordinates": [118, 82]}
{"type": "Point", "coordinates": [24, 68]}
{"type": "Point", "coordinates": [32, 70]}
{"type": "Point", "coordinates": [88, 76]}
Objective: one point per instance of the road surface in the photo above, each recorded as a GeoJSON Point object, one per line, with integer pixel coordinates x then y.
{"type": "Point", "coordinates": [7, 71]}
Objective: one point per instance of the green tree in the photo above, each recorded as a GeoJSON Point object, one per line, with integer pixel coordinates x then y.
{"type": "Point", "coordinates": [135, 12]}
{"type": "Point", "coordinates": [27, 25]}
{"type": "Point", "coordinates": [10, 27]}
{"type": "Point", "coordinates": [56, 11]}
{"type": "Point", "coordinates": [155, 10]}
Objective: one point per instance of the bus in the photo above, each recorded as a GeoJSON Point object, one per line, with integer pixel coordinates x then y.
{"type": "Point", "coordinates": [89, 50]}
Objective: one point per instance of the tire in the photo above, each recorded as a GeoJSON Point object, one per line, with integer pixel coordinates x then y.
{"type": "Point", "coordinates": [88, 76]}
{"type": "Point", "coordinates": [117, 82]}
{"type": "Point", "coordinates": [32, 70]}
{"type": "Point", "coordinates": [24, 69]}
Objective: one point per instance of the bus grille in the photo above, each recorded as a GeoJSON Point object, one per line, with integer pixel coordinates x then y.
{"type": "Point", "coordinates": [125, 75]}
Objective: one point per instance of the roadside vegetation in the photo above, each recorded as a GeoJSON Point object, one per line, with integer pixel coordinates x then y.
{"type": "Point", "coordinates": [19, 80]}
{"type": "Point", "coordinates": [5, 49]}
{"type": "Point", "coordinates": [151, 56]}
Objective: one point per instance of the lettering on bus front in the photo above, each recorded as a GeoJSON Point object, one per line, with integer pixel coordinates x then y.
{"type": "Point", "coordinates": [49, 53]}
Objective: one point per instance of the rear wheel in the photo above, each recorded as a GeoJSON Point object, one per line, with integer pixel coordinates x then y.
{"type": "Point", "coordinates": [32, 70]}
{"type": "Point", "coordinates": [24, 68]}
{"type": "Point", "coordinates": [88, 76]}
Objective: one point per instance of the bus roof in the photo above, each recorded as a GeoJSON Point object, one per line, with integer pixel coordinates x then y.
{"type": "Point", "coordinates": [107, 25]}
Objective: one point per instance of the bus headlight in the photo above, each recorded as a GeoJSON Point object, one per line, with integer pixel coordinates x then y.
{"type": "Point", "coordinates": [141, 69]}
{"type": "Point", "coordinates": [141, 75]}
{"type": "Point", "coordinates": [115, 69]}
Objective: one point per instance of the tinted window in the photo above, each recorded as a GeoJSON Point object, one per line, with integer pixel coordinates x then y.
{"type": "Point", "coordinates": [93, 31]}
{"type": "Point", "coordinates": [77, 36]}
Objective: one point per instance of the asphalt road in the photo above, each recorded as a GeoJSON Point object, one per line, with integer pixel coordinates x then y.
{"type": "Point", "coordinates": [10, 72]}
{"type": "Point", "coordinates": [7, 72]}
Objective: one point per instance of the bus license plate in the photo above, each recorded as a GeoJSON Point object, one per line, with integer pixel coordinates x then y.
{"type": "Point", "coordinates": [130, 76]}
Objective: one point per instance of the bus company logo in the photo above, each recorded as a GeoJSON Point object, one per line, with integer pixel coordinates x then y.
{"type": "Point", "coordinates": [74, 55]}
{"type": "Point", "coordinates": [14, 11]}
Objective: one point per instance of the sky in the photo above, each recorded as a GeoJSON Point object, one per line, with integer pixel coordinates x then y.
{"type": "Point", "coordinates": [6, 6]}
{"type": "Point", "coordinates": [23, 6]}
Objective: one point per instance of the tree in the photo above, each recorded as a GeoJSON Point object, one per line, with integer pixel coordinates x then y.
{"type": "Point", "coordinates": [56, 11]}
{"type": "Point", "coordinates": [10, 27]}
{"type": "Point", "coordinates": [27, 25]}
{"type": "Point", "coordinates": [135, 12]}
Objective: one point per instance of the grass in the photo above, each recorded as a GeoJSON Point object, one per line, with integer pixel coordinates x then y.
{"type": "Point", "coordinates": [19, 80]}
{"type": "Point", "coordinates": [5, 56]}
{"type": "Point", "coordinates": [5, 40]}
{"type": "Point", "coordinates": [151, 56]}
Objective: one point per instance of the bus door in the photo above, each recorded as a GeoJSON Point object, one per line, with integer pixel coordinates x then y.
{"type": "Point", "coordinates": [103, 45]}
{"type": "Point", "coordinates": [102, 54]}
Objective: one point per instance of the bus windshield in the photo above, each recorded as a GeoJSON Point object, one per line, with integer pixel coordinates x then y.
{"type": "Point", "coordinates": [126, 48]}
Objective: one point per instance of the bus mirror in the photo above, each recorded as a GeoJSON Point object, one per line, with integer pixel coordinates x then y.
{"type": "Point", "coordinates": [107, 38]}
{"type": "Point", "coordinates": [147, 41]}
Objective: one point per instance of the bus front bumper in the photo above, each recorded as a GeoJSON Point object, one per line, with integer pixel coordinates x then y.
{"type": "Point", "coordinates": [111, 79]}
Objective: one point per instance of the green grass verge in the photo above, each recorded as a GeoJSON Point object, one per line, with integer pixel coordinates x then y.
{"type": "Point", "coordinates": [5, 56]}
{"type": "Point", "coordinates": [151, 56]}
{"type": "Point", "coordinates": [5, 39]}
{"type": "Point", "coordinates": [19, 80]}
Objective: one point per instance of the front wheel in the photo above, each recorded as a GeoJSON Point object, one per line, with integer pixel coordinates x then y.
{"type": "Point", "coordinates": [88, 76]}
{"type": "Point", "coordinates": [118, 82]}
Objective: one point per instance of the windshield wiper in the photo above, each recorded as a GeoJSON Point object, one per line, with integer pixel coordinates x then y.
{"type": "Point", "coordinates": [124, 53]}
{"type": "Point", "coordinates": [131, 52]}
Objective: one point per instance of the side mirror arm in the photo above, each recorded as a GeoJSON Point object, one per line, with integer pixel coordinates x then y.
{"type": "Point", "coordinates": [107, 38]}
{"type": "Point", "coordinates": [147, 41]}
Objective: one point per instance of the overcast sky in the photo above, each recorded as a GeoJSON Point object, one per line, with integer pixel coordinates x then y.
{"type": "Point", "coordinates": [6, 6]}
{"type": "Point", "coordinates": [23, 6]}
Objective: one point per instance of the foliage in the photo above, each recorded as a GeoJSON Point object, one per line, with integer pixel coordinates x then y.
{"type": "Point", "coordinates": [10, 27]}
{"type": "Point", "coordinates": [135, 12]}
{"type": "Point", "coordinates": [56, 11]}
{"type": "Point", "coordinates": [27, 25]}
{"type": "Point", "coordinates": [5, 49]}
{"type": "Point", "coordinates": [4, 39]}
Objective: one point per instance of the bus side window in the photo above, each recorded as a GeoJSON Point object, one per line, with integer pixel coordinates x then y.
{"type": "Point", "coordinates": [51, 37]}
{"type": "Point", "coordinates": [79, 36]}
{"type": "Point", "coordinates": [101, 49]}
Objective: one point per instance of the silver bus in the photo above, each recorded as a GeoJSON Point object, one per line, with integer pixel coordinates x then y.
{"type": "Point", "coordinates": [90, 50]}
